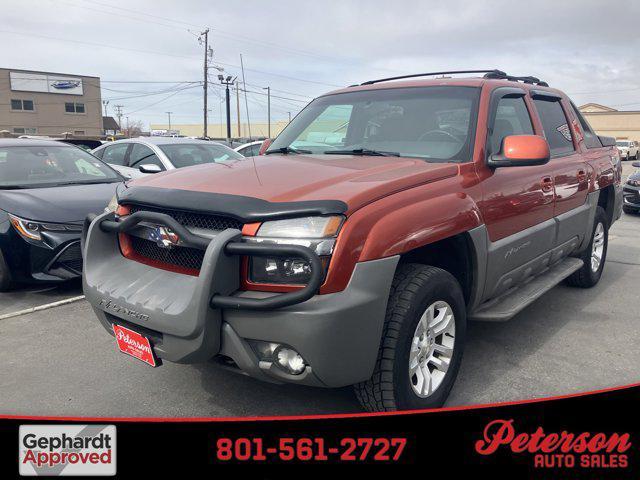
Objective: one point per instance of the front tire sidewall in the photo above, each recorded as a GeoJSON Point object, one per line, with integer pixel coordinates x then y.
{"type": "Point", "coordinates": [449, 292]}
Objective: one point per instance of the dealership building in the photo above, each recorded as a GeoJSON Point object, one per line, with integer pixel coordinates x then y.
{"type": "Point", "coordinates": [52, 104]}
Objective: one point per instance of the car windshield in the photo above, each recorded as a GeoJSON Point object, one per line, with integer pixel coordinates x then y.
{"type": "Point", "coordinates": [188, 154]}
{"type": "Point", "coordinates": [432, 123]}
{"type": "Point", "coordinates": [37, 166]}
{"type": "Point", "coordinates": [622, 144]}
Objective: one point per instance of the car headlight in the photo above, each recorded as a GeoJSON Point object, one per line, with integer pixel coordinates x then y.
{"type": "Point", "coordinates": [317, 233]}
{"type": "Point", "coordinates": [26, 228]}
{"type": "Point", "coordinates": [113, 205]}
{"type": "Point", "coordinates": [30, 230]}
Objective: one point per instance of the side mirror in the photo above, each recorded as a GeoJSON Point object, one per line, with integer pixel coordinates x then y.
{"type": "Point", "coordinates": [265, 144]}
{"type": "Point", "coordinates": [636, 164]}
{"type": "Point", "coordinates": [521, 151]}
{"type": "Point", "coordinates": [149, 168]}
{"type": "Point", "coordinates": [607, 141]}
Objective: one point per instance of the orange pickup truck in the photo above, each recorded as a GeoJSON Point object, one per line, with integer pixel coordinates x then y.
{"type": "Point", "coordinates": [383, 218]}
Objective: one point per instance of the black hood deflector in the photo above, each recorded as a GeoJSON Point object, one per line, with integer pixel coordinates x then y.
{"type": "Point", "coordinates": [245, 209]}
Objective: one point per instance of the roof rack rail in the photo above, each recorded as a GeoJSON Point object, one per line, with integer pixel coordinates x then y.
{"type": "Point", "coordinates": [499, 75]}
{"type": "Point", "coordinates": [371, 82]}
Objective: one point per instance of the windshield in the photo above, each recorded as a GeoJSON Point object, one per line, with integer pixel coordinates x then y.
{"type": "Point", "coordinates": [187, 154]}
{"type": "Point", "coordinates": [622, 144]}
{"type": "Point", "coordinates": [30, 166]}
{"type": "Point", "coordinates": [431, 123]}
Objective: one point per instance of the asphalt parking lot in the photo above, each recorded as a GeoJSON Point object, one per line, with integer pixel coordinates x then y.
{"type": "Point", "coordinates": [60, 361]}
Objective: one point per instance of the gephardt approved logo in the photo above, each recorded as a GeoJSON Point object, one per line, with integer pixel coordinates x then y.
{"type": "Point", "coordinates": [67, 450]}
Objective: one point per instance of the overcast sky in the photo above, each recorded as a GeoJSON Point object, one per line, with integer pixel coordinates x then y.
{"type": "Point", "coordinates": [590, 49]}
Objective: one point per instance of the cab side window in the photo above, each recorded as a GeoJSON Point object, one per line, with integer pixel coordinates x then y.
{"type": "Point", "coordinates": [555, 126]}
{"type": "Point", "coordinates": [591, 140]}
{"type": "Point", "coordinates": [512, 118]}
{"type": "Point", "coordinates": [115, 154]}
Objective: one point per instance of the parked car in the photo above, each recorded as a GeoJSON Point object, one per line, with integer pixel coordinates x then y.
{"type": "Point", "coordinates": [47, 188]}
{"type": "Point", "coordinates": [359, 262]}
{"type": "Point", "coordinates": [628, 149]}
{"type": "Point", "coordinates": [251, 149]}
{"type": "Point", "coordinates": [631, 191]}
{"type": "Point", "coordinates": [137, 157]}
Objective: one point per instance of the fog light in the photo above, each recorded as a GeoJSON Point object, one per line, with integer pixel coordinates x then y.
{"type": "Point", "coordinates": [264, 350]}
{"type": "Point", "coordinates": [289, 360]}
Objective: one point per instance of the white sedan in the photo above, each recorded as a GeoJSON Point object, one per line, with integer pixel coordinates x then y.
{"type": "Point", "coordinates": [136, 157]}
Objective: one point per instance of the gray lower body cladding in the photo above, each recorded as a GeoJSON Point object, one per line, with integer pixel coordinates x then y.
{"type": "Point", "coordinates": [337, 334]}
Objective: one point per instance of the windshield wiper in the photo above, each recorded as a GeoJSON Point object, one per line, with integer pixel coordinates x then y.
{"type": "Point", "coordinates": [285, 150]}
{"type": "Point", "coordinates": [364, 152]}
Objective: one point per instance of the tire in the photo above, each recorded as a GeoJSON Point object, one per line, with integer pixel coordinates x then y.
{"type": "Point", "coordinates": [588, 276]}
{"type": "Point", "coordinates": [5, 275]}
{"type": "Point", "coordinates": [629, 210]}
{"type": "Point", "coordinates": [392, 387]}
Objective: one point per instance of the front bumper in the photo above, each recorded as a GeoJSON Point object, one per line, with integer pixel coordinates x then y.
{"type": "Point", "coordinates": [57, 258]}
{"type": "Point", "coordinates": [338, 334]}
{"type": "Point", "coordinates": [631, 196]}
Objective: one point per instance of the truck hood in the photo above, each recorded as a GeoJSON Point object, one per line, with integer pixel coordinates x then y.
{"type": "Point", "coordinates": [355, 180]}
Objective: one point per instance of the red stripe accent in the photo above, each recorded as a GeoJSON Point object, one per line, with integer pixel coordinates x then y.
{"type": "Point", "coordinates": [321, 416]}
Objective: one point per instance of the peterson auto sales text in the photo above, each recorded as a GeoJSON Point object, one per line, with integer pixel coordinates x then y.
{"type": "Point", "coordinates": [558, 450]}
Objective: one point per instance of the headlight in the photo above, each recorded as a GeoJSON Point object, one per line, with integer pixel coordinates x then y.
{"type": "Point", "coordinates": [30, 230]}
{"type": "Point", "coordinates": [27, 229]}
{"type": "Point", "coordinates": [113, 205]}
{"type": "Point", "coordinates": [317, 233]}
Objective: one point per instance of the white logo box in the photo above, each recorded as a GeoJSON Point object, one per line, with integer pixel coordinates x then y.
{"type": "Point", "coordinates": [67, 450]}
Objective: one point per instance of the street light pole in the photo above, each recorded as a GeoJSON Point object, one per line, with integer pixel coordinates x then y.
{"type": "Point", "coordinates": [205, 34]}
{"type": "Point", "coordinates": [268, 89]}
{"type": "Point", "coordinates": [169, 114]}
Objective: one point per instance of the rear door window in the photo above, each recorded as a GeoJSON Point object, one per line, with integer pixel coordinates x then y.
{"type": "Point", "coordinates": [591, 140]}
{"type": "Point", "coordinates": [116, 154]}
{"type": "Point", "coordinates": [555, 126]}
{"type": "Point", "coordinates": [512, 118]}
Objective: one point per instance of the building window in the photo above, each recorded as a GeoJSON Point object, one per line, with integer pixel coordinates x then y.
{"type": "Point", "coordinates": [74, 107]}
{"type": "Point", "coordinates": [17, 104]}
{"type": "Point", "coordinates": [25, 130]}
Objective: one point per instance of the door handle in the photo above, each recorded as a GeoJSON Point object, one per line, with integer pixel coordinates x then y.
{"type": "Point", "coordinates": [547, 184]}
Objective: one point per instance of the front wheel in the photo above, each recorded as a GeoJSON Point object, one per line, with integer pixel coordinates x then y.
{"type": "Point", "coordinates": [594, 255]}
{"type": "Point", "coordinates": [422, 342]}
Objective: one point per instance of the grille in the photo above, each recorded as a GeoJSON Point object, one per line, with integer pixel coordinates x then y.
{"type": "Point", "coordinates": [183, 257]}
{"type": "Point", "coordinates": [196, 220]}
{"type": "Point", "coordinates": [71, 258]}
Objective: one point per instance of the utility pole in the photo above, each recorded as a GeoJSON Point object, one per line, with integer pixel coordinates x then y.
{"type": "Point", "coordinates": [268, 89]}
{"type": "Point", "coordinates": [119, 114]}
{"type": "Point", "coordinates": [169, 114]}
{"type": "Point", "coordinates": [289, 116]}
{"type": "Point", "coordinates": [226, 81]}
{"type": "Point", "coordinates": [238, 107]}
{"type": "Point", "coordinates": [205, 34]}
{"type": "Point", "coordinates": [128, 131]}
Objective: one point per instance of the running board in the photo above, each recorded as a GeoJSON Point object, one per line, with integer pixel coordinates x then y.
{"type": "Point", "coordinates": [510, 303]}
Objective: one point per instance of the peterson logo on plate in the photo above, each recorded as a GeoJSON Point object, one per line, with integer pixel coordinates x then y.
{"type": "Point", "coordinates": [57, 450]}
